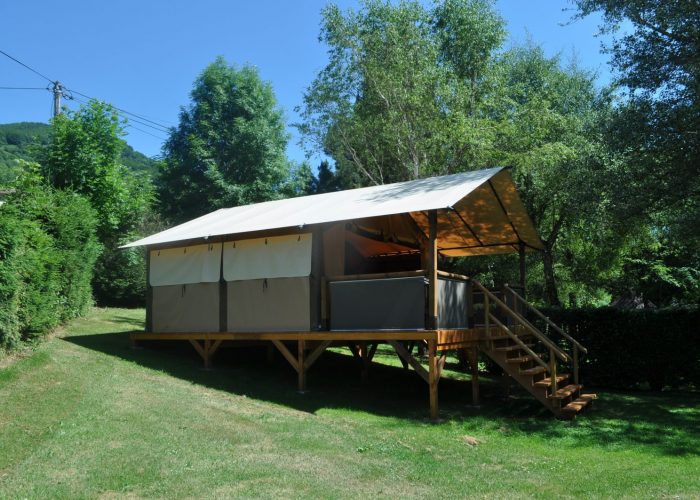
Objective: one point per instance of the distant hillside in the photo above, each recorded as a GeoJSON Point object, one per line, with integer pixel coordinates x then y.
{"type": "Point", "coordinates": [22, 141]}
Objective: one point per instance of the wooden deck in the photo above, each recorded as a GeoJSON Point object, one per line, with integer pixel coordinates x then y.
{"type": "Point", "coordinates": [363, 345]}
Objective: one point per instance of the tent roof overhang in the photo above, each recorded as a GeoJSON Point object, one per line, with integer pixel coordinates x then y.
{"type": "Point", "coordinates": [479, 213]}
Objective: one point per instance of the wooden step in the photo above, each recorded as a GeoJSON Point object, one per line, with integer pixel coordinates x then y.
{"type": "Point", "coordinates": [510, 348]}
{"type": "Point", "coordinates": [533, 371]}
{"type": "Point", "coordinates": [567, 391]}
{"type": "Point", "coordinates": [546, 382]}
{"type": "Point", "coordinates": [578, 404]}
{"type": "Point", "coordinates": [520, 359]}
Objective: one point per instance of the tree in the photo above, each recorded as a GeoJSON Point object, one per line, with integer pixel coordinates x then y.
{"type": "Point", "coordinates": [84, 155]}
{"type": "Point", "coordinates": [404, 94]}
{"type": "Point", "coordinates": [411, 92]}
{"type": "Point", "coordinates": [229, 147]}
{"type": "Point", "coordinates": [656, 132]}
{"type": "Point", "coordinates": [548, 121]}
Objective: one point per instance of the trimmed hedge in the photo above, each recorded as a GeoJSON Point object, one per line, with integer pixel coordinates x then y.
{"type": "Point", "coordinates": [48, 249]}
{"type": "Point", "coordinates": [633, 348]}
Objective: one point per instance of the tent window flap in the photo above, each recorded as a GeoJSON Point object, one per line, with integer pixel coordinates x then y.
{"type": "Point", "coordinates": [186, 265]}
{"type": "Point", "coordinates": [272, 257]}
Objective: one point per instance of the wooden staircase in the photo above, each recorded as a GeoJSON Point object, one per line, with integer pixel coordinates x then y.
{"type": "Point", "coordinates": [531, 357]}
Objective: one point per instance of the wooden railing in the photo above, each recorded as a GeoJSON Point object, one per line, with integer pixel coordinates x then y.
{"type": "Point", "coordinates": [576, 347]}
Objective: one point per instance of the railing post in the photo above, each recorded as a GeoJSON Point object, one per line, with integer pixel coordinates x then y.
{"type": "Point", "coordinates": [575, 364]}
{"type": "Point", "coordinates": [487, 312]}
{"type": "Point", "coordinates": [553, 371]}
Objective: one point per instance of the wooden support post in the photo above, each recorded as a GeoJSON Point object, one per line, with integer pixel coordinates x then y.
{"type": "Point", "coordinates": [433, 378]}
{"type": "Point", "coordinates": [432, 323]}
{"type": "Point", "coordinates": [270, 353]}
{"type": "Point", "coordinates": [521, 253]}
{"type": "Point", "coordinates": [207, 349]}
{"type": "Point", "coordinates": [365, 362]}
{"type": "Point", "coordinates": [149, 294]}
{"type": "Point", "coordinates": [473, 354]}
{"type": "Point", "coordinates": [575, 364]}
{"type": "Point", "coordinates": [301, 369]}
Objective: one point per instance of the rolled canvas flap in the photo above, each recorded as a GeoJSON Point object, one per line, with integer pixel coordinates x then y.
{"type": "Point", "coordinates": [272, 257]}
{"type": "Point", "coordinates": [186, 265]}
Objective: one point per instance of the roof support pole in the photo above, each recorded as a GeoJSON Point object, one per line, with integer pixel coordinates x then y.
{"type": "Point", "coordinates": [521, 253]}
{"type": "Point", "coordinates": [149, 293]}
{"type": "Point", "coordinates": [432, 254]}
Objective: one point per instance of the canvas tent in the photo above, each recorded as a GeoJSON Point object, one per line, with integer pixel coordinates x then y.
{"type": "Point", "coordinates": [262, 267]}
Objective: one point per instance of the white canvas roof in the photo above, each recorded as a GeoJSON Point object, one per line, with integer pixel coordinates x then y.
{"type": "Point", "coordinates": [495, 222]}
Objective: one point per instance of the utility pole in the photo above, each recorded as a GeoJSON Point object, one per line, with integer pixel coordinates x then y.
{"type": "Point", "coordinates": [57, 91]}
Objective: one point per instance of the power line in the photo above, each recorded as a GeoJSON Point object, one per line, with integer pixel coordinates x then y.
{"type": "Point", "coordinates": [60, 91]}
{"type": "Point", "coordinates": [121, 113]}
{"type": "Point", "coordinates": [124, 111]}
{"type": "Point", "coordinates": [23, 88]}
{"type": "Point", "coordinates": [28, 67]}
{"type": "Point", "coordinates": [146, 132]}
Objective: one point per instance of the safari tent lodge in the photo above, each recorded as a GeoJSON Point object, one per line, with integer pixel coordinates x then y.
{"type": "Point", "coordinates": [357, 268]}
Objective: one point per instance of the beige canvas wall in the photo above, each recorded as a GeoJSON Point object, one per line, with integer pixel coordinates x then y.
{"type": "Point", "coordinates": [186, 308]}
{"type": "Point", "coordinates": [277, 304]}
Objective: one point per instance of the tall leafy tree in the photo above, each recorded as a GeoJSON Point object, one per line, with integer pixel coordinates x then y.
{"type": "Point", "coordinates": [229, 147]}
{"type": "Point", "coordinates": [84, 155]}
{"type": "Point", "coordinates": [656, 132]}
{"type": "Point", "coordinates": [548, 121]}
{"type": "Point", "coordinates": [404, 92]}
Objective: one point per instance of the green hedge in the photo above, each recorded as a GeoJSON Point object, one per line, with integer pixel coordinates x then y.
{"type": "Point", "coordinates": [48, 250]}
{"type": "Point", "coordinates": [634, 348]}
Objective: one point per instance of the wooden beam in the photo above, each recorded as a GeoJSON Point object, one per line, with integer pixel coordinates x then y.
{"type": "Point", "coordinates": [473, 355]}
{"type": "Point", "coordinates": [351, 336]}
{"type": "Point", "coordinates": [401, 351]}
{"type": "Point", "coordinates": [433, 379]}
{"type": "Point", "coordinates": [149, 293]}
{"type": "Point", "coordinates": [376, 276]}
{"type": "Point", "coordinates": [372, 351]}
{"type": "Point", "coordinates": [311, 358]}
{"type": "Point", "coordinates": [301, 353]}
{"type": "Point", "coordinates": [432, 254]}
{"type": "Point", "coordinates": [287, 355]}
{"type": "Point", "coordinates": [521, 253]}
{"type": "Point", "coordinates": [198, 348]}
{"type": "Point", "coordinates": [365, 361]}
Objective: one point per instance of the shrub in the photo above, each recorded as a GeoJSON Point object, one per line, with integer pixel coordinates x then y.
{"type": "Point", "coordinates": [48, 250]}
{"type": "Point", "coordinates": [629, 348]}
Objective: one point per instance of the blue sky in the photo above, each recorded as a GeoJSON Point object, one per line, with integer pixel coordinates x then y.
{"type": "Point", "coordinates": [142, 56]}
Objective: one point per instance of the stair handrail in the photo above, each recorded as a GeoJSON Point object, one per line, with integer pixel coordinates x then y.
{"type": "Point", "coordinates": [517, 317]}
{"type": "Point", "coordinates": [520, 343]}
{"type": "Point", "coordinates": [547, 320]}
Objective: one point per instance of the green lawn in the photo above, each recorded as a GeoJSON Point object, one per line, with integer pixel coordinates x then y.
{"type": "Point", "coordinates": [84, 416]}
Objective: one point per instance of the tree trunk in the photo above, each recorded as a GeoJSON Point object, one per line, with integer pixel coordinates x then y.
{"type": "Point", "coordinates": [550, 284]}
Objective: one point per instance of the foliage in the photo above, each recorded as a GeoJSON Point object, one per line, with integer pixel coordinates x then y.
{"type": "Point", "coordinates": [404, 94]}
{"type": "Point", "coordinates": [655, 131]}
{"type": "Point", "coordinates": [84, 155]}
{"type": "Point", "coordinates": [630, 348]}
{"type": "Point", "coordinates": [411, 91]}
{"type": "Point", "coordinates": [24, 141]}
{"type": "Point", "coordinates": [229, 147]}
{"type": "Point", "coordinates": [48, 249]}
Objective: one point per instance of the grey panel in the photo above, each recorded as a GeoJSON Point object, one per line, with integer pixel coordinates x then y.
{"type": "Point", "coordinates": [395, 304]}
{"type": "Point", "coordinates": [452, 303]}
{"type": "Point", "coordinates": [186, 308]}
{"type": "Point", "coordinates": [279, 304]}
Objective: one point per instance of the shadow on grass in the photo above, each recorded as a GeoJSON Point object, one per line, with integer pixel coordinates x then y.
{"type": "Point", "coordinates": [666, 423]}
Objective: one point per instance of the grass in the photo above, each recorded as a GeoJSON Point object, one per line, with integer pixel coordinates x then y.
{"type": "Point", "coordinates": [85, 416]}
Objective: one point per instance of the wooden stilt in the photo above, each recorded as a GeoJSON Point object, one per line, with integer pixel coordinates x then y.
{"type": "Point", "coordinates": [270, 353]}
{"type": "Point", "coordinates": [433, 378]}
{"type": "Point", "coordinates": [207, 349]}
{"type": "Point", "coordinates": [473, 354]}
{"type": "Point", "coordinates": [301, 369]}
{"type": "Point", "coordinates": [365, 362]}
